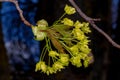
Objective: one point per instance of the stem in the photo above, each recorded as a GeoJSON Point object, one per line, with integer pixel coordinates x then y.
{"type": "Point", "coordinates": [47, 44]}
{"type": "Point", "coordinates": [69, 39]}
{"type": "Point", "coordinates": [59, 19]}
{"type": "Point", "coordinates": [49, 61]}
{"type": "Point", "coordinates": [19, 10]}
{"type": "Point", "coordinates": [66, 48]}
{"type": "Point", "coordinates": [53, 59]}
{"type": "Point", "coordinates": [43, 53]}
{"type": "Point", "coordinates": [61, 16]}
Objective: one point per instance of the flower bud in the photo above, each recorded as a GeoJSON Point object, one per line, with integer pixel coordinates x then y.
{"type": "Point", "coordinates": [67, 21]}
{"type": "Point", "coordinates": [69, 10]}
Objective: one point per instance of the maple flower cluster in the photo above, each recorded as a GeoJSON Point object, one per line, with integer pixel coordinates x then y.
{"type": "Point", "coordinates": [66, 42]}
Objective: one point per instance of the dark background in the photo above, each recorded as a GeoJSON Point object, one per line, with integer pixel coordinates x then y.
{"type": "Point", "coordinates": [107, 57]}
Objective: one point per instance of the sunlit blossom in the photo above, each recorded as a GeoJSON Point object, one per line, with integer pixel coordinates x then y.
{"type": "Point", "coordinates": [67, 21]}
{"type": "Point", "coordinates": [69, 10]}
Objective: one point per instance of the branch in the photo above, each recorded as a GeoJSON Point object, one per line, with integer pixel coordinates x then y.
{"type": "Point", "coordinates": [19, 10]}
{"type": "Point", "coordinates": [92, 23]}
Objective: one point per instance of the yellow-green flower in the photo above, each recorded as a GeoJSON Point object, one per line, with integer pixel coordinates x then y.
{"type": "Point", "coordinates": [78, 24]}
{"type": "Point", "coordinates": [53, 54]}
{"type": "Point", "coordinates": [85, 28]}
{"type": "Point", "coordinates": [86, 61]}
{"type": "Point", "coordinates": [64, 59]}
{"type": "Point", "coordinates": [74, 50]}
{"type": "Point", "coordinates": [50, 70]}
{"type": "Point", "coordinates": [78, 34]}
{"type": "Point", "coordinates": [41, 36]}
{"type": "Point", "coordinates": [82, 55]}
{"type": "Point", "coordinates": [41, 66]}
{"type": "Point", "coordinates": [57, 66]}
{"type": "Point", "coordinates": [67, 21]}
{"type": "Point", "coordinates": [38, 66]}
{"type": "Point", "coordinates": [38, 34]}
{"type": "Point", "coordinates": [42, 24]}
{"type": "Point", "coordinates": [35, 30]}
{"type": "Point", "coordinates": [75, 60]}
{"type": "Point", "coordinates": [84, 48]}
{"type": "Point", "coordinates": [69, 10]}
{"type": "Point", "coordinates": [85, 41]}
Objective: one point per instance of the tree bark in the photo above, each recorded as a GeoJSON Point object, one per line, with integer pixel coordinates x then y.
{"type": "Point", "coordinates": [4, 65]}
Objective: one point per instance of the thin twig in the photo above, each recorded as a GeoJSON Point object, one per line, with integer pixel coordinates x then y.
{"type": "Point", "coordinates": [92, 23]}
{"type": "Point", "coordinates": [19, 10]}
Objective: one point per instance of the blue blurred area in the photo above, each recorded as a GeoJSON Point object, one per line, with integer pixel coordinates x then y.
{"type": "Point", "coordinates": [21, 48]}
{"type": "Point", "coordinates": [114, 11]}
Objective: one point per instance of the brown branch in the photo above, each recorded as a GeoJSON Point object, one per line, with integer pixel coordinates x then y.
{"type": "Point", "coordinates": [92, 23]}
{"type": "Point", "coordinates": [19, 10]}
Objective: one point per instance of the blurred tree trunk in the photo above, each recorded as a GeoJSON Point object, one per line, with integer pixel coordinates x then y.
{"type": "Point", "coordinates": [4, 65]}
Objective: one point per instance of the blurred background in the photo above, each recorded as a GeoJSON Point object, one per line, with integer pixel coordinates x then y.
{"type": "Point", "coordinates": [19, 52]}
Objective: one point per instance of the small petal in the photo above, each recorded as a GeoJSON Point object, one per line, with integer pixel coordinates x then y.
{"type": "Point", "coordinates": [86, 61]}
{"type": "Point", "coordinates": [38, 67]}
{"type": "Point", "coordinates": [57, 66]}
{"type": "Point", "coordinates": [69, 10]}
{"type": "Point", "coordinates": [41, 66]}
{"type": "Point", "coordinates": [78, 34]}
{"type": "Point", "coordinates": [67, 21]}
{"type": "Point", "coordinates": [53, 54]}
{"type": "Point", "coordinates": [85, 49]}
{"type": "Point", "coordinates": [75, 60]}
{"type": "Point", "coordinates": [50, 70]}
{"type": "Point", "coordinates": [64, 59]}
{"type": "Point", "coordinates": [38, 34]}
{"type": "Point", "coordinates": [35, 30]}
{"type": "Point", "coordinates": [85, 28]}
{"type": "Point", "coordinates": [74, 49]}
{"type": "Point", "coordinates": [41, 36]}
{"type": "Point", "coordinates": [78, 24]}
{"type": "Point", "coordinates": [42, 24]}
